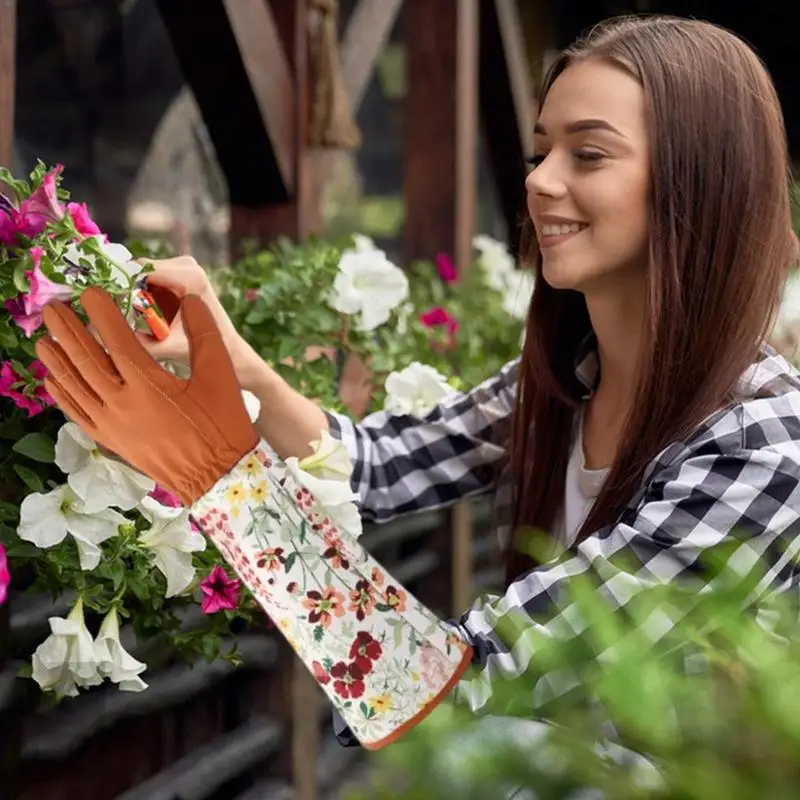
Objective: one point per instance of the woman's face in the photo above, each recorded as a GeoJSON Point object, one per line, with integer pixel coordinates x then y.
{"type": "Point", "coordinates": [587, 192]}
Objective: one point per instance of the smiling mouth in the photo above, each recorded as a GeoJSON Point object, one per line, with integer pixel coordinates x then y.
{"type": "Point", "coordinates": [552, 235]}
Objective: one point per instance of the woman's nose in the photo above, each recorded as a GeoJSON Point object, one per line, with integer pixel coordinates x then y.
{"type": "Point", "coordinates": [546, 178]}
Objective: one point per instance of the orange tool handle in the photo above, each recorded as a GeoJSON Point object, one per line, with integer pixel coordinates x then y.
{"type": "Point", "coordinates": [147, 309]}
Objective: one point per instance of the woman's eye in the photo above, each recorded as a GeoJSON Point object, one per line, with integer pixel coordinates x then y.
{"type": "Point", "coordinates": [534, 161]}
{"type": "Point", "coordinates": [589, 156]}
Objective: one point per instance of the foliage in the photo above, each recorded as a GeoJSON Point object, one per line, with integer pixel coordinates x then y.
{"type": "Point", "coordinates": [278, 299]}
{"type": "Point", "coordinates": [715, 708]}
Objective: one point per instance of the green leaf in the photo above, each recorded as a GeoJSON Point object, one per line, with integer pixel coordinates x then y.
{"type": "Point", "coordinates": [24, 550]}
{"type": "Point", "coordinates": [36, 446]}
{"type": "Point", "coordinates": [8, 511]}
{"type": "Point", "coordinates": [8, 336]}
{"type": "Point", "coordinates": [290, 559]}
{"type": "Point", "coordinates": [20, 281]}
{"type": "Point", "coordinates": [29, 478]}
{"type": "Point", "coordinates": [319, 632]}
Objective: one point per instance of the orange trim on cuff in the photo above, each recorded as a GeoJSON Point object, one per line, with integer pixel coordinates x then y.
{"type": "Point", "coordinates": [426, 709]}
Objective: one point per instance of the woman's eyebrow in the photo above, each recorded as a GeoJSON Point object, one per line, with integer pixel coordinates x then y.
{"type": "Point", "coordinates": [583, 125]}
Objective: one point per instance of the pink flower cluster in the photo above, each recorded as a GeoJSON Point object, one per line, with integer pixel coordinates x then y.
{"type": "Point", "coordinates": [26, 309]}
{"type": "Point", "coordinates": [31, 396]}
{"type": "Point", "coordinates": [30, 219]}
{"type": "Point", "coordinates": [5, 575]}
{"type": "Point", "coordinates": [39, 210]}
{"type": "Point", "coordinates": [439, 318]}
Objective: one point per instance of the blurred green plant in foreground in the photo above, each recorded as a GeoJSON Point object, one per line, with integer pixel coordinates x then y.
{"type": "Point", "coordinates": [715, 708]}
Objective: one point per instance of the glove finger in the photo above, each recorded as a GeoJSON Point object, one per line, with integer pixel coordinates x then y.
{"type": "Point", "coordinates": [67, 374]}
{"type": "Point", "coordinates": [81, 348]}
{"type": "Point", "coordinates": [124, 349]}
{"type": "Point", "coordinates": [207, 351]}
{"type": "Point", "coordinates": [69, 406]}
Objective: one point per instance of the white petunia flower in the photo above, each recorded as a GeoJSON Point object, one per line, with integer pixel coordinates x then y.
{"type": "Point", "coordinates": [495, 261]}
{"type": "Point", "coordinates": [113, 660]}
{"type": "Point", "coordinates": [252, 404]}
{"type": "Point", "coordinates": [66, 659]}
{"type": "Point", "coordinates": [416, 390]}
{"type": "Point", "coordinates": [330, 460]}
{"type": "Point", "coordinates": [172, 541]}
{"type": "Point", "coordinates": [333, 496]}
{"type": "Point", "coordinates": [788, 318]}
{"type": "Point", "coordinates": [123, 267]}
{"type": "Point", "coordinates": [363, 244]}
{"type": "Point", "coordinates": [404, 314]}
{"type": "Point", "coordinates": [368, 284]}
{"type": "Point", "coordinates": [97, 480]}
{"type": "Point", "coordinates": [46, 519]}
{"type": "Point", "coordinates": [518, 293]}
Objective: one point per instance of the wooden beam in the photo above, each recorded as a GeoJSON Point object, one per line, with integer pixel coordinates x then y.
{"type": "Point", "coordinates": [10, 718]}
{"type": "Point", "coordinates": [368, 29]}
{"type": "Point", "coordinates": [296, 214]}
{"type": "Point", "coordinates": [506, 100]}
{"type": "Point", "coordinates": [441, 141]}
{"type": "Point", "coordinates": [232, 57]}
{"type": "Point", "coordinates": [8, 30]}
{"type": "Point", "coordinates": [270, 76]}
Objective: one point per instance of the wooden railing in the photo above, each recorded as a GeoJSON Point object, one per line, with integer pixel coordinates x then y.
{"type": "Point", "coordinates": [258, 732]}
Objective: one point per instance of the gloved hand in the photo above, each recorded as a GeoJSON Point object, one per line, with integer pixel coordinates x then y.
{"type": "Point", "coordinates": [182, 434]}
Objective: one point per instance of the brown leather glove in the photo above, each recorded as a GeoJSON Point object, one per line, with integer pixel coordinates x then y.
{"type": "Point", "coordinates": [185, 435]}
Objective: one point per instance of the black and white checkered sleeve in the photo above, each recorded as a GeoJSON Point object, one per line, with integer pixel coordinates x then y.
{"type": "Point", "coordinates": [748, 498]}
{"type": "Point", "coordinates": [403, 464]}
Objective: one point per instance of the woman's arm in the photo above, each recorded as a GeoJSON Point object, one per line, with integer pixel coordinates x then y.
{"type": "Point", "coordinates": [749, 499]}
{"type": "Point", "coordinates": [402, 464]}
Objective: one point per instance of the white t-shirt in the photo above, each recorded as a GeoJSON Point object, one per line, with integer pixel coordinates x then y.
{"type": "Point", "coordinates": [581, 490]}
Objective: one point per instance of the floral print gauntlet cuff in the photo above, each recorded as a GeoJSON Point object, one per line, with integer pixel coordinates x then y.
{"type": "Point", "coordinates": [384, 660]}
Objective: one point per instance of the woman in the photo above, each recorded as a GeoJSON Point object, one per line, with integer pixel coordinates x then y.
{"type": "Point", "coordinates": [646, 419]}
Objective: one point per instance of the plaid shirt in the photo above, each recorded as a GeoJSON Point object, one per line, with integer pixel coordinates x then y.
{"type": "Point", "coordinates": [739, 471]}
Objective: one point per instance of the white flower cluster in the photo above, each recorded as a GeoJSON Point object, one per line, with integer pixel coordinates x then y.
{"type": "Point", "coordinates": [516, 285]}
{"type": "Point", "coordinates": [69, 659]}
{"type": "Point", "coordinates": [415, 390]}
{"type": "Point", "coordinates": [88, 508]}
{"type": "Point", "coordinates": [368, 286]}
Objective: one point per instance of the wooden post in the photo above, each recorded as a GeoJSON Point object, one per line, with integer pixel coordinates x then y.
{"type": "Point", "coordinates": [441, 153]}
{"type": "Point", "coordinates": [8, 30]}
{"type": "Point", "coordinates": [9, 713]}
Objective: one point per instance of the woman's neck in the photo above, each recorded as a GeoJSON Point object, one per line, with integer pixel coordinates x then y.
{"type": "Point", "coordinates": [617, 319]}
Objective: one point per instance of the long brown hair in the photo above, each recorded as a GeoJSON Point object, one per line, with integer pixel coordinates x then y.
{"type": "Point", "coordinates": [721, 245]}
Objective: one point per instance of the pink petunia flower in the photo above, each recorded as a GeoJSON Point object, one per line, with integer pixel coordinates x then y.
{"type": "Point", "coordinates": [5, 575]}
{"type": "Point", "coordinates": [221, 592]}
{"type": "Point", "coordinates": [26, 309]}
{"type": "Point", "coordinates": [446, 268]}
{"type": "Point", "coordinates": [42, 207]}
{"type": "Point", "coordinates": [439, 317]}
{"type": "Point", "coordinates": [13, 224]}
{"type": "Point", "coordinates": [84, 223]}
{"type": "Point", "coordinates": [33, 402]}
{"type": "Point", "coordinates": [165, 497]}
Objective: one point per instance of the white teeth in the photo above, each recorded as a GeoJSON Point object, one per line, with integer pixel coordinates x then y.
{"type": "Point", "coordinates": [561, 230]}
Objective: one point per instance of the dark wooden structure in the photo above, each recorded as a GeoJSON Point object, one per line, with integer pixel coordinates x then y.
{"type": "Point", "coordinates": [263, 731]}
